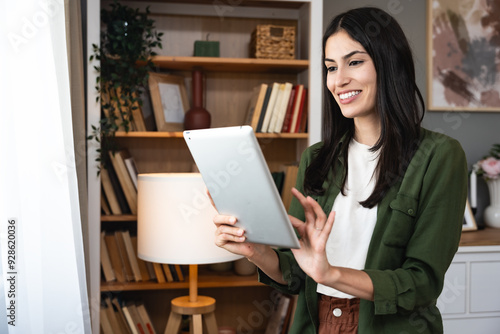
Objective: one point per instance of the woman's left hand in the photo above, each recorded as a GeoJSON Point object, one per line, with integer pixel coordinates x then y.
{"type": "Point", "coordinates": [313, 233]}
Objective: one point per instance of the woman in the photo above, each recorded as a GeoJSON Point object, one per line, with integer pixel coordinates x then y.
{"type": "Point", "coordinates": [379, 203]}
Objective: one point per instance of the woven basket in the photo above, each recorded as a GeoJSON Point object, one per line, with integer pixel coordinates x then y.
{"type": "Point", "coordinates": [273, 42]}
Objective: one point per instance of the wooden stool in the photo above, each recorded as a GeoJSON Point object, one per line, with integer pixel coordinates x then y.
{"type": "Point", "coordinates": [204, 308]}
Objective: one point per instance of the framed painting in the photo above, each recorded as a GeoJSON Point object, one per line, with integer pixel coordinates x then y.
{"type": "Point", "coordinates": [463, 55]}
{"type": "Point", "coordinates": [169, 100]}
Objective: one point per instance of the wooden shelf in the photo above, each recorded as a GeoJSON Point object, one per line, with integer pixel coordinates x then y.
{"type": "Point", "coordinates": [486, 237]}
{"type": "Point", "coordinates": [216, 64]}
{"type": "Point", "coordinates": [205, 280]}
{"type": "Point", "coordinates": [178, 134]}
{"type": "Point", "coordinates": [118, 218]}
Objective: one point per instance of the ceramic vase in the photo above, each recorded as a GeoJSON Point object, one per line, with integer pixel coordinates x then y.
{"type": "Point", "coordinates": [197, 117]}
{"type": "Point", "coordinates": [492, 212]}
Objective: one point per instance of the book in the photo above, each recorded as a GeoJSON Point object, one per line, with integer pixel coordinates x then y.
{"type": "Point", "coordinates": [258, 106]}
{"type": "Point", "coordinates": [168, 272]}
{"type": "Point", "coordinates": [115, 257]}
{"type": "Point", "coordinates": [109, 105]}
{"type": "Point", "coordinates": [143, 268]}
{"type": "Point", "coordinates": [137, 116]}
{"type": "Point", "coordinates": [263, 109]}
{"type": "Point", "coordinates": [104, 204]}
{"type": "Point", "coordinates": [108, 190]}
{"type": "Point", "coordinates": [105, 324]}
{"type": "Point", "coordinates": [132, 170]}
{"type": "Point", "coordinates": [277, 107]}
{"type": "Point", "coordinates": [132, 257]}
{"type": "Point", "coordinates": [139, 324]}
{"type": "Point", "coordinates": [107, 267]}
{"type": "Point", "coordinates": [302, 124]}
{"type": "Point", "coordinates": [289, 111]}
{"type": "Point", "coordinates": [178, 271]}
{"type": "Point", "coordinates": [143, 313]}
{"type": "Point", "coordinates": [251, 106]}
{"type": "Point", "coordinates": [281, 108]}
{"type": "Point", "coordinates": [130, 320]}
{"type": "Point", "coordinates": [270, 106]}
{"type": "Point", "coordinates": [151, 270]}
{"type": "Point", "coordinates": [112, 317]}
{"type": "Point", "coordinates": [278, 321]}
{"type": "Point", "coordinates": [122, 321]}
{"type": "Point", "coordinates": [118, 162]}
{"type": "Point", "coordinates": [160, 275]}
{"type": "Point", "coordinates": [298, 106]}
{"type": "Point", "coordinates": [127, 268]}
{"type": "Point", "coordinates": [120, 195]}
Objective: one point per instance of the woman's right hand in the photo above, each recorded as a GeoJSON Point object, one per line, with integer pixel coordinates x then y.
{"type": "Point", "coordinates": [232, 238]}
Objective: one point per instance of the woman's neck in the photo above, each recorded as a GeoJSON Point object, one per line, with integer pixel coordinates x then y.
{"type": "Point", "coordinates": [367, 131]}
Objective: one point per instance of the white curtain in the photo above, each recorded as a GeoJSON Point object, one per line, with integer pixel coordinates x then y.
{"type": "Point", "coordinates": [43, 272]}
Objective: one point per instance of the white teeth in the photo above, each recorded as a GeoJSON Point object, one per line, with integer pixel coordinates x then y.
{"type": "Point", "coordinates": [348, 95]}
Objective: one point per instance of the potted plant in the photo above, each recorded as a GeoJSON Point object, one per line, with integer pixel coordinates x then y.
{"type": "Point", "coordinates": [127, 42]}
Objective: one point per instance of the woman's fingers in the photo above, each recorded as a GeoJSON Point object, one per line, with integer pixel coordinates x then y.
{"type": "Point", "coordinates": [314, 213]}
{"type": "Point", "coordinates": [224, 220]}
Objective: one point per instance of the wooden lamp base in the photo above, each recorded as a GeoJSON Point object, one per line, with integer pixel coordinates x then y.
{"type": "Point", "coordinates": [202, 309]}
{"type": "Point", "coordinates": [198, 307]}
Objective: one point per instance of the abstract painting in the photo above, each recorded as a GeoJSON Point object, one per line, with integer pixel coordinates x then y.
{"type": "Point", "coordinates": [463, 54]}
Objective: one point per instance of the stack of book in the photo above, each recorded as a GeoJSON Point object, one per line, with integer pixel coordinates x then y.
{"type": "Point", "coordinates": [278, 108]}
{"type": "Point", "coordinates": [119, 184]}
{"type": "Point", "coordinates": [124, 317]}
{"type": "Point", "coordinates": [120, 263]}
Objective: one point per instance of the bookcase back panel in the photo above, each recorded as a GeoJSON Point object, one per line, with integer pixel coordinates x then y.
{"type": "Point", "coordinates": [233, 34]}
{"type": "Point", "coordinates": [228, 94]}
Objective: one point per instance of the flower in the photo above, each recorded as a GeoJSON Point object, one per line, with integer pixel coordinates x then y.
{"type": "Point", "coordinates": [489, 166]}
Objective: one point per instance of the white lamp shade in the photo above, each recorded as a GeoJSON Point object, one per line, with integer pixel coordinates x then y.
{"type": "Point", "coordinates": [175, 220]}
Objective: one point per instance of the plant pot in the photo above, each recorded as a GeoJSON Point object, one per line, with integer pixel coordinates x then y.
{"type": "Point", "coordinates": [492, 212]}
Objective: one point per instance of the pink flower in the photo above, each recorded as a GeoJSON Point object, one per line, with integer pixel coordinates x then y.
{"type": "Point", "coordinates": [491, 167]}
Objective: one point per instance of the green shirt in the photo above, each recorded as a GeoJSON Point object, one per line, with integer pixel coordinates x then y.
{"type": "Point", "coordinates": [419, 223]}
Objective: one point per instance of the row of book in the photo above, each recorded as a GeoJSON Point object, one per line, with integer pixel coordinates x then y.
{"type": "Point", "coordinates": [126, 318]}
{"type": "Point", "coordinates": [278, 108]}
{"type": "Point", "coordinates": [119, 184]}
{"type": "Point", "coordinates": [120, 263]}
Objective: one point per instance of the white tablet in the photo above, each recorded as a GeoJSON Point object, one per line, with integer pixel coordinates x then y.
{"type": "Point", "coordinates": [235, 172]}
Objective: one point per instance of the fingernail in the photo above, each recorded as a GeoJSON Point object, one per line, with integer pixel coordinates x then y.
{"type": "Point", "coordinates": [232, 220]}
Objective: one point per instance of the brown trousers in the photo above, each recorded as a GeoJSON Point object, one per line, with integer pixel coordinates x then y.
{"type": "Point", "coordinates": [338, 315]}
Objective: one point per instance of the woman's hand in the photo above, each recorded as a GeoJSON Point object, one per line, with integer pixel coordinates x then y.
{"type": "Point", "coordinates": [314, 233]}
{"type": "Point", "coordinates": [231, 237]}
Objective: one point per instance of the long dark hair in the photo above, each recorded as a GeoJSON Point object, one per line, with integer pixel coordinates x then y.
{"type": "Point", "coordinates": [399, 104]}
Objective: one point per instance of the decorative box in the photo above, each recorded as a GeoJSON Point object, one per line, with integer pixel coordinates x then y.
{"type": "Point", "coordinates": [273, 42]}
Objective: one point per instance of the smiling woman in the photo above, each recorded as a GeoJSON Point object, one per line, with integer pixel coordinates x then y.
{"type": "Point", "coordinates": [374, 244]}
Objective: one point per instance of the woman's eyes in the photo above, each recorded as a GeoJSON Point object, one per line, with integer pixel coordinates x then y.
{"type": "Point", "coordinates": [332, 68]}
{"type": "Point", "coordinates": [355, 62]}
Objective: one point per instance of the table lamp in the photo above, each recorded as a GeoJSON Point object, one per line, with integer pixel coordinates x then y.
{"type": "Point", "coordinates": [174, 226]}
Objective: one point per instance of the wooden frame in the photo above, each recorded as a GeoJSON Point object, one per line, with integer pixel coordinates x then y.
{"type": "Point", "coordinates": [469, 220]}
{"type": "Point", "coordinates": [462, 56]}
{"type": "Point", "coordinates": [169, 100]}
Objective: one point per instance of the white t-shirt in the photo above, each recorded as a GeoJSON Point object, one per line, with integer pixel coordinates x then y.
{"type": "Point", "coordinates": [347, 245]}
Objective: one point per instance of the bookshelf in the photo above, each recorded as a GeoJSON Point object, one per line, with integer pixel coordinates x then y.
{"type": "Point", "coordinates": [229, 81]}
